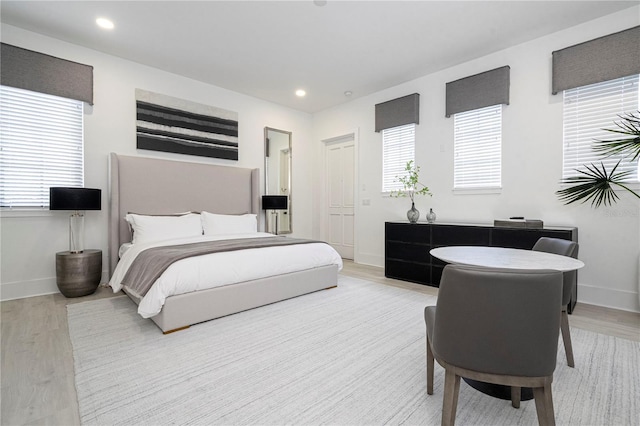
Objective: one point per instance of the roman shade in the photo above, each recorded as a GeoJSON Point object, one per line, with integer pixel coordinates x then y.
{"type": "Point", "coordinates": [478, 91]}
{"type": "Point", "coordinates": [602, 59]}
{"type": "Point", "coordinates": [398, 112]}
{"type": "Point", "coordinates": [37, 72]}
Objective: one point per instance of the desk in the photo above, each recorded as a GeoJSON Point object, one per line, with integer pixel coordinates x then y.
{"type": "Point", "coordinates": [499, 257]}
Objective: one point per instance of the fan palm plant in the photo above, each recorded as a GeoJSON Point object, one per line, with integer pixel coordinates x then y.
{"type": "Point", "coordinates": [597, 184]}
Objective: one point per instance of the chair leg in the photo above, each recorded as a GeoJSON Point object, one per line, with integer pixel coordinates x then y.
{"type": "Point", "coordinates": [430, 365]}
{"type": "Point", "coordinates": [566, 337]}
{"type": "Point", "coordinates": [544, 405]}
{"type": "Point", "coordinates": [450, 397]}
{"type": "Point", "coordinates": [516, 393]}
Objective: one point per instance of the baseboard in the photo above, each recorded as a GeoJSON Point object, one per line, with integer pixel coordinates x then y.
{"type": "Point", "coordinates": [31, 288]}
{"type": "Point", "coordinates": [609, 298]}
{"type": "Point", "coordinates": [22, 289]}
{"type": "Point", "coordinates": [606, 297]}
{"type": "Point", "coordinates": [369, 259]}
{"type": "Point", "coordinates": [599, 296]}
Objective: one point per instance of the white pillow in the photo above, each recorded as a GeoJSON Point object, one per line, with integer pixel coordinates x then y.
{"type": "Point", "coordinates": [222, 224]}
{"type": "Point", "coordinates": [156, 228]}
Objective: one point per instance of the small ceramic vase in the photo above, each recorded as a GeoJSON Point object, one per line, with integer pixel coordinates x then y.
{"type": "Point", "coordinates": [431, 216]}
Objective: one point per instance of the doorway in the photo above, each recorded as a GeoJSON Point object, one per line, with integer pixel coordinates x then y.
{"type": "Point", "coordinates": [340, 156]}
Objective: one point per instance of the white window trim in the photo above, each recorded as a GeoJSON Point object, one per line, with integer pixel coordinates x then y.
{"type": "Point", "coordinates": [7, 212]}
{"type": "Point", "coordinates": [477, 191]}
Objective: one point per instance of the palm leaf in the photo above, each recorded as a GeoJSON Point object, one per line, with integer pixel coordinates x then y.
{"type": "Point", "coordinates": [595, 185]}
{"type": "Point", "coordinates": [629, 146]}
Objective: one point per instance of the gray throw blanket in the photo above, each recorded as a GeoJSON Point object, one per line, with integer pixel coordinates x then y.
{"type": "Point", "coordinates": [151, 263]}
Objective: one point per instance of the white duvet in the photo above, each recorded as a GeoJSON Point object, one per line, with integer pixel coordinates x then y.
{"type": "Point", "coordinates": [219, 269]}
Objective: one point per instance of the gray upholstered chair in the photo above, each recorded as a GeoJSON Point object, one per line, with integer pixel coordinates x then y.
{"type": "Point", "coordinates": [564, 248]}
{"type": "Point", "coordinates": [497, 326]}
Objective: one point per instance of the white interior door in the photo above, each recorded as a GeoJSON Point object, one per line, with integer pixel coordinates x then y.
{"type": "Point", "coordinates": [340, 175]}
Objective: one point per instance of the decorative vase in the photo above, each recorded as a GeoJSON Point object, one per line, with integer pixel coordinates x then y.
{"type": "Point", "coordinates": [413, 214]}
{"type": "Point", "coordinates": [431, 216]}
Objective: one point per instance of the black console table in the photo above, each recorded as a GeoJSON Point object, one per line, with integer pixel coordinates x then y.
{"type": "Point", "coordinates": [407, 246]}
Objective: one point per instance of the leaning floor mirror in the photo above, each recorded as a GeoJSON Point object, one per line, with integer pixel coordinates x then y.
{"type": "Point", "coordinates": [277, 166]}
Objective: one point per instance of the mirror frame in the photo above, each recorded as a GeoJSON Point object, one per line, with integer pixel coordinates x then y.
{"type": "Point", "coordinates": [288, 212]}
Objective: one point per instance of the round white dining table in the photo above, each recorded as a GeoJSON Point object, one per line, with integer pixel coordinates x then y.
{"type": "Point", "coordinates": [509, 258]}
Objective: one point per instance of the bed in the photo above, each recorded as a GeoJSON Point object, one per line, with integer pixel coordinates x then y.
{"type": "Point", "coordinates": [149, 186]}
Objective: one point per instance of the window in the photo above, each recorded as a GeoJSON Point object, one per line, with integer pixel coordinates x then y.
{"type": "Point", "coordinates": [41, 145]}
{"type": "Point", "coordinates": [587, 111]}
{"type": "Point", "coordinates": [477, 162]}
{"type": "Point", "coordinates": [398, 147]}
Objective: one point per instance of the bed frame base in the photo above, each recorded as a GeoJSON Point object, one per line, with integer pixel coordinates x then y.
{"type": "Point", "coordinates": [184, 310]}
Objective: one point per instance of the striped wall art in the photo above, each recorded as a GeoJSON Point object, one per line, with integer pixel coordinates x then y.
{"type": "Point", "coordinates": [168, 124]}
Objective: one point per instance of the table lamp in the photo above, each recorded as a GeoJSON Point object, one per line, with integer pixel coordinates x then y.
{"type": "Point", "coordinates": [273, 203]}
{"type": "Point", "coordinates": [77, 200]}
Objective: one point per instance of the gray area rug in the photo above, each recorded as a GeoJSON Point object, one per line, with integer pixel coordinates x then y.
{"type": "Point", "coordinates": [353, 355]}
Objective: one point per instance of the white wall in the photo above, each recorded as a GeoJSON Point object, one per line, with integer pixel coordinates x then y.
{"type": "Point", "coordinates": [29, 242]}
{"type": "Point", "coordinates": [532, 160]}
{"type": "Point", "coordinates": [532, 156]}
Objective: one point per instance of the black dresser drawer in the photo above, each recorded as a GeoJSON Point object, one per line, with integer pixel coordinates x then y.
{"type": "Point", "coordinates": [453, 235]}
{"type": "Point", "coordinates": [408, 271]}
{"type": "Point", "coordinates": [407, 232]}
{"type": "Point", "coordinates": [525, 238]}
{"type": "Point", "coordinates": [412, 252]}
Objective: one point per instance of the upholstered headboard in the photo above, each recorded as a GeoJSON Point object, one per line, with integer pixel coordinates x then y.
{"type": "Point", "coordinates": [152, 186]}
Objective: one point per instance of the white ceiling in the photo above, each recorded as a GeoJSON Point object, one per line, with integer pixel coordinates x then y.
{"type": "Point", "coordinates": [268, 49]}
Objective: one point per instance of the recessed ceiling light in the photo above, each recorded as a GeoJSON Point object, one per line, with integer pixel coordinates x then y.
{"type": "Point", "coordinates": [105, 23]}
{"type": "Point", "coordinates": [348, 93]}
{"type": "Point", "coordinates": [300, 93]}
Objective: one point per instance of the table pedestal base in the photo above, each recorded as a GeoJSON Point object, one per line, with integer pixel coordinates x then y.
{"type": "Point", "coordinates": [499, 391]}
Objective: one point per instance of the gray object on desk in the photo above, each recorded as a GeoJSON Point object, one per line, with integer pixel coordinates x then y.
{"type": "Point", "coordinates": [78, 274]}
{"type": "Point", "coordinates": [518, 223]}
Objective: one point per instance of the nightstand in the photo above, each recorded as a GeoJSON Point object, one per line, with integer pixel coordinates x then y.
{"type": "Point", "coordinates": [78, 274]}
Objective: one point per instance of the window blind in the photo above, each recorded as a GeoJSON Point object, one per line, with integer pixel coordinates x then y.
{"type": "Point", "coordinates": [478, 148]}
{"type": "Point", "coordinates": [41, 145]}
{"type": "Point", "coordinates": [398, 147]}
{"type": "Point", "coordinates": [587, 111]}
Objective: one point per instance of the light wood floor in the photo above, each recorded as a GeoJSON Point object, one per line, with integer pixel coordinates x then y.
{"type": "Point", "coordinates": [613, 322]}
{"type": "Point", "coordinates": [37, 365]}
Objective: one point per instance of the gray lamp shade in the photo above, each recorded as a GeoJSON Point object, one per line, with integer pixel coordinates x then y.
{"type": "Point", "coordinates": [61, 198]}
{"type": "Point", "coordinates": [274, 202]}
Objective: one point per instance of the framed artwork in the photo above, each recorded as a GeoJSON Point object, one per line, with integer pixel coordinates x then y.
{"type": "Point", "coordinates": [168, 124]}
